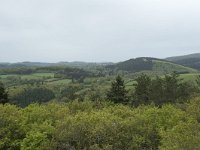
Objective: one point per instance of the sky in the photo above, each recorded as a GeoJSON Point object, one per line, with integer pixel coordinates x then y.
{"type": "Point", "coordinates": [97, 30]}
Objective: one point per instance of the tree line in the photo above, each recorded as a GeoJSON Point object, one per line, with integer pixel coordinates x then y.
{"type": "Point", "coordinates": [146, 90]}
{"type": "Point", "coordinates": [158, 90]}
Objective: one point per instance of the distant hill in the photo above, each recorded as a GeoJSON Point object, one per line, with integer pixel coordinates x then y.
{"type": "Point", "coordinates": [132, 65]}
{"type": "Point", "coordinates": [150, 64]}
{"type": "Point", "coordinates": [24, 64]}
{"type": "Point", "coordinates": [41, 64]}
{"type": "Point", "coordinates": [192, 60]}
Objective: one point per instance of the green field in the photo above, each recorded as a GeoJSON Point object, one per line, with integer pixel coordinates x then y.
{"type": "Point", "coordinates": [54, 81]}
{"type": "Point", "coordinates": [29, 77]}
{"type": "Point", "coordinates": [170, 67]}
{"type": "Point", "coordinates": [60, 82]}
{"type": "Point", "coordinates": [189, 77]}
{"type": "Point", "coordinates": [17, 83]}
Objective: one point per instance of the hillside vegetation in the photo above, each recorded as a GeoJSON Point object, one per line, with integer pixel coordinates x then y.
{"type": "Point", "coordinates": [139, 104]}
{"type": "Point", "coordinates": [92, 126]}
{"type": "Point", "coordinates": [192, 60]}
{"type": "Point", "coordinates": [168, 67]}
{"type": "Point", "coordinates": [150, 64]}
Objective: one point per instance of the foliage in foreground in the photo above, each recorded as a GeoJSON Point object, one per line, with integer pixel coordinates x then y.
{"type": "Point", "coordinates": [105, 126]}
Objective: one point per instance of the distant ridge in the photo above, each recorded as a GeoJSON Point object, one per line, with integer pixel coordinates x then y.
{"type": "Point", "coordinates": [191, 60]}
{"type": "Point", "coordinates": [177, 58]}
{"type": "Point", "coordinates": [182, 64]}
{"type": "Point", "coordinates": [44, 64]}
{"type": "Point", "coordinates": [150, 64]}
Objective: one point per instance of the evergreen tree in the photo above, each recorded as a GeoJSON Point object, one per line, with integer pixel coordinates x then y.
{"type": "Point", "coordinates": [156, 91]}
{"type": "Point", "coordinates": [142, 90]}
{"type": "Point", "coordinates": [3, 95]}
{"type": "Point", "coordinates": [171, 88]}
{"type": "Point", "coordinates": [117, 92]}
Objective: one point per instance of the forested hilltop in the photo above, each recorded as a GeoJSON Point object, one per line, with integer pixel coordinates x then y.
{"type": "Point", "coordinates": [143, 103]}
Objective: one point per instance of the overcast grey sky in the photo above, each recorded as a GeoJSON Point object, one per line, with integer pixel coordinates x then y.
{"type": "Point", "coordinates": [97, 30]}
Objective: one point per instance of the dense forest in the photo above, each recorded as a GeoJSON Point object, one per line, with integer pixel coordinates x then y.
{"type": "Point", "coordinates": [100, 107]}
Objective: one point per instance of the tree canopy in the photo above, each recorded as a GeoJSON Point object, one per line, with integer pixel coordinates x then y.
{"type": "Point", "coordinates": [3, 95]}
{"type": "Point", "coordinates": [117, 92]}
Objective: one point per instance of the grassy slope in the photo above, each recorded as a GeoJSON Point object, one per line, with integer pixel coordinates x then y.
{"type": "Point", "coordinates": [151, 64]}
{"type": "Point", "coordinates": [168, 67]}
{"type": "Point", "coordinates": [190, 77]}
{"type": "Point", "coordinates": [192, 61]}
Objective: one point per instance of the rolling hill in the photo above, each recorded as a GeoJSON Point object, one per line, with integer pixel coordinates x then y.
{"type": "Point", "coordinates": [42, 64]}
{"type": "Point", "coordinates": [181, 64]}
{"type": "Point", "coordinates": [150, 64]}
{"type": "Point", "coordinates": [192, 60]}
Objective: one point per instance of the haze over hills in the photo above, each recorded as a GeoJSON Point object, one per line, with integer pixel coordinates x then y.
{"type": "Point", "coordinates": [182, 64]}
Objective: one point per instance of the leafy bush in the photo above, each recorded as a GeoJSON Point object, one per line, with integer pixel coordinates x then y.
{"type": "Point", "coordinates": [84, 125]}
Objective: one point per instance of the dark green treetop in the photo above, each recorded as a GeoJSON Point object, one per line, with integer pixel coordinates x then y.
{"type": "Point", "coordinates": [117, 92]}
{"type": "Point", "coordinates": [3, 95]}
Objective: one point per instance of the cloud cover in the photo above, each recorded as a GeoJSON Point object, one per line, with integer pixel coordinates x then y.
{"type": "Point", "coordinates": [97, 30]}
